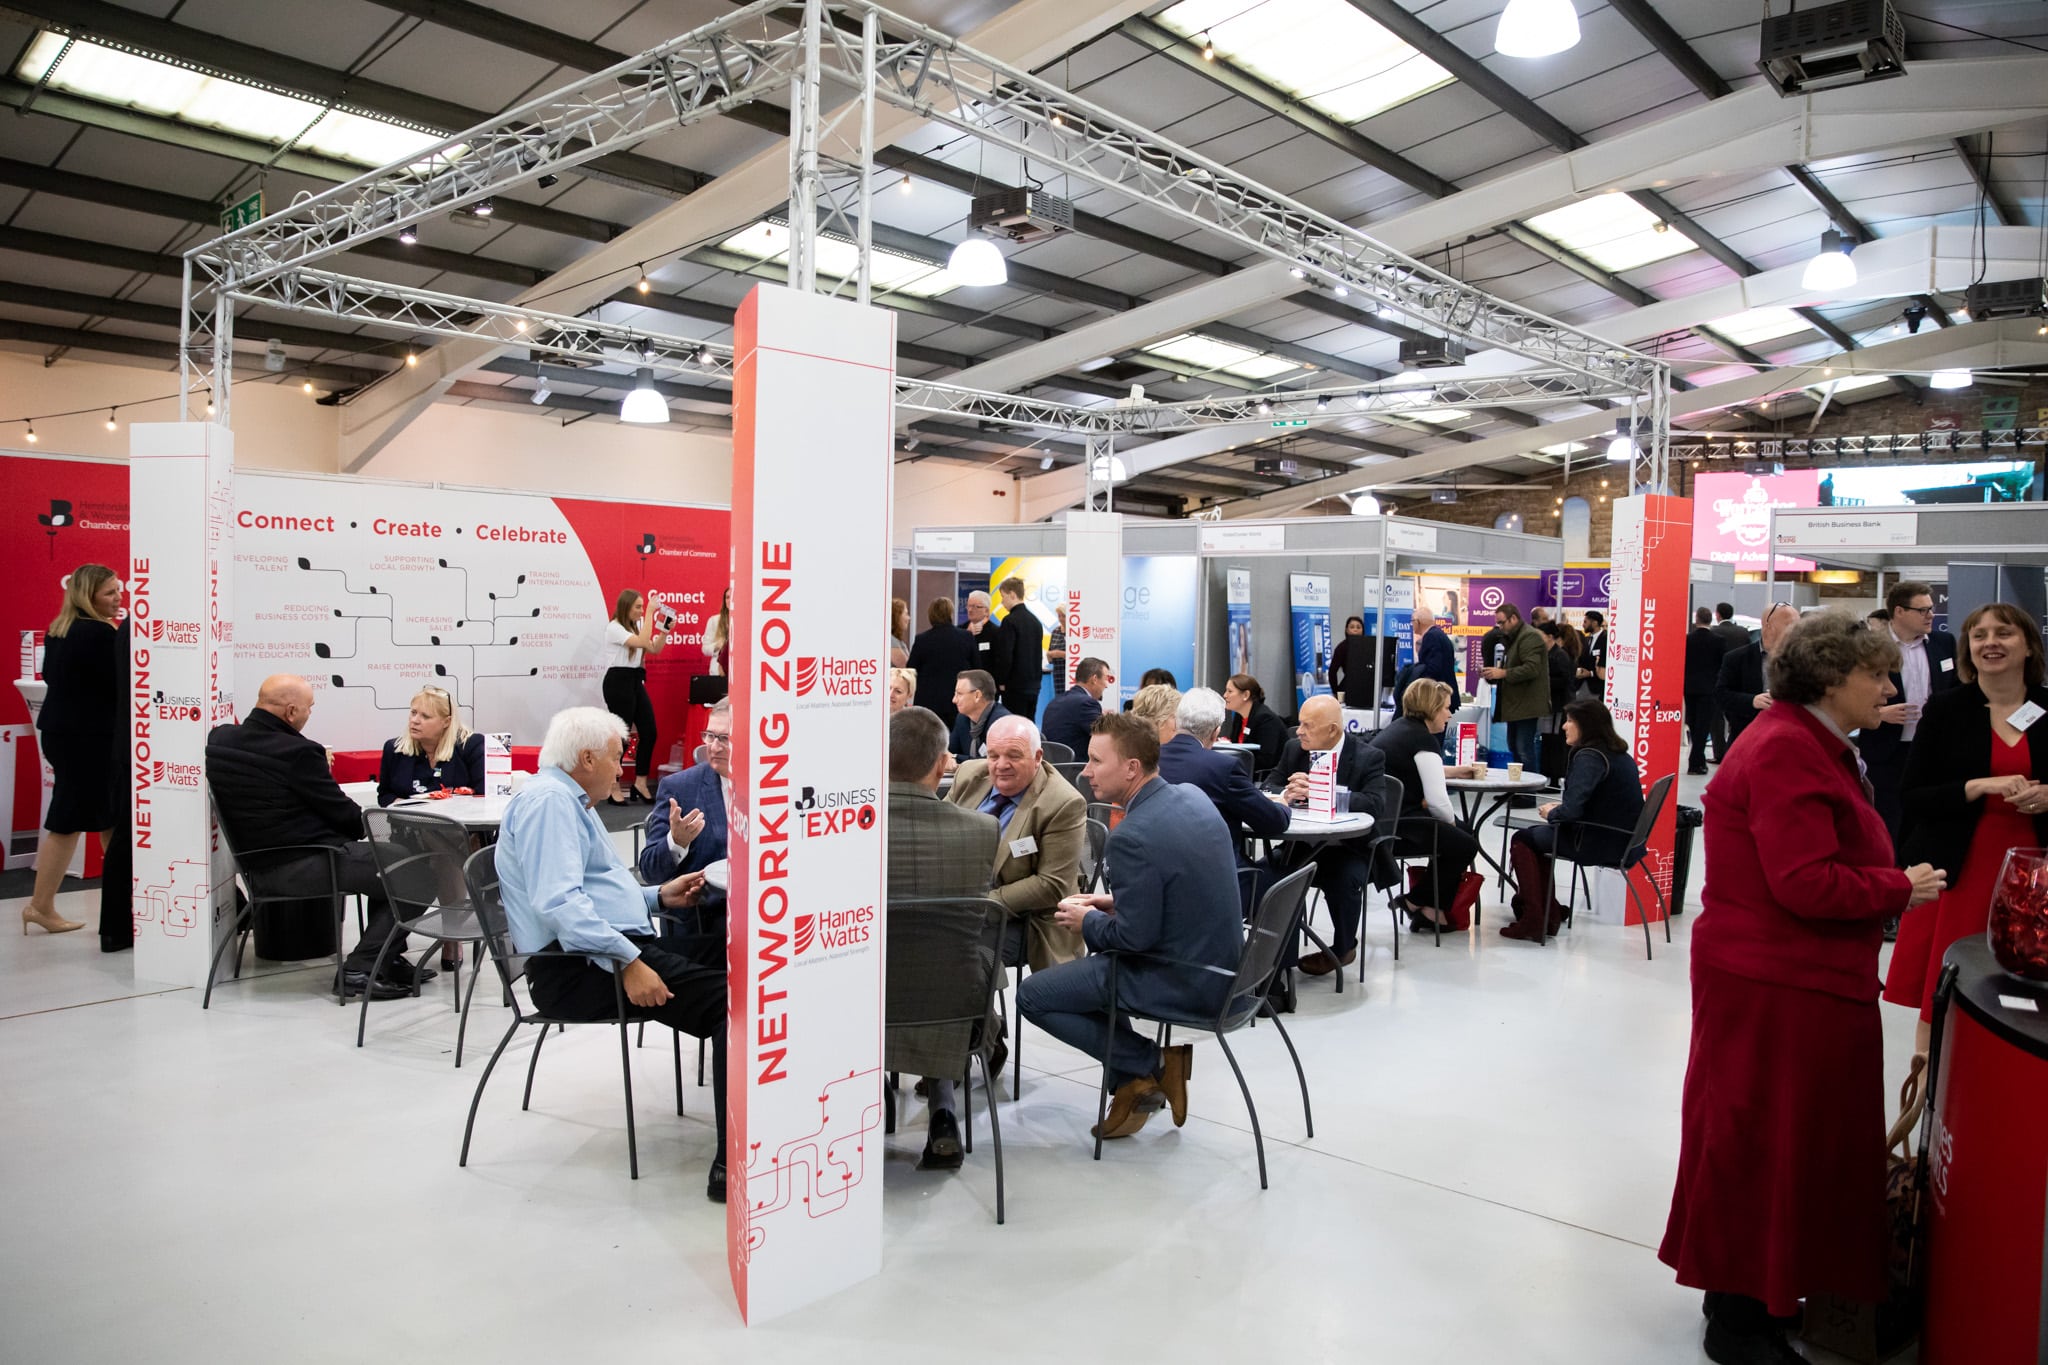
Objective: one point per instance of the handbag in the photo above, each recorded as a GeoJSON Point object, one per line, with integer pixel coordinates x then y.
{"type": "Point", "coordinates": [1463, 903]}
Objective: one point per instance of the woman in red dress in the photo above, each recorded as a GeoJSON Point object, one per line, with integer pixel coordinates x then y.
{"type": "Point", "coordinates": [1781, 1167]}
{"type": "Point", "coordinates": [1972, 789]}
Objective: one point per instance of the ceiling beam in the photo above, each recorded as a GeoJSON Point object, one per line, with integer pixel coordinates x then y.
{"type": "Point", "coordinates": [114, 343]}
{"type": "Point", "coordinates": [2003, 212]}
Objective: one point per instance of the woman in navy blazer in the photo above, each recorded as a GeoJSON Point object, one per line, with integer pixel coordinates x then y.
{"type": "Point", "coordinates": [437, 752]}
{"type": "Point", "coordinates": [1602, 786]}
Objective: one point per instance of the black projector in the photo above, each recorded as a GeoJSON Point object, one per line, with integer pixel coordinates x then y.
{"type": "Point", "coordinates": [1834, 45]}
{"type": "Point", "coordinates": [1432, 353]}
{"type": "Point", "coordinates": [2007, 299]}
{"type": "Point", "coordinates": [1021, 215]}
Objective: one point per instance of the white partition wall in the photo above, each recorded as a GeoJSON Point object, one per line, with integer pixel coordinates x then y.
{"type": "Point", "coordinates": [810, 517]}
{"type": "Point", "coordinates": [1095, 589]}
{"type": "Point", "coordinates": [181, 657]}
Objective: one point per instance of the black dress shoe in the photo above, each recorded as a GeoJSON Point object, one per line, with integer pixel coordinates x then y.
{"type": "Point", "coordinates": [714, 1185]}
{"type": "Point", "coordinates": [354, 983]}
{"type": "Point", "coordinates": [1726, 1346]}
{"type": "Point", "coordinates": [401, 971]}
{"type": "Point", "coordinates": [942, 1150]}
{"type": "Point", "coordinates": [999, 1058]}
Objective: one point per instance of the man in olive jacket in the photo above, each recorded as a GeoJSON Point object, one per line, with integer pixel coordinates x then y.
{"type": "Point", "coordinates": [1521, 684]}
{"type": "Point", "coordinates": [1044, 829]}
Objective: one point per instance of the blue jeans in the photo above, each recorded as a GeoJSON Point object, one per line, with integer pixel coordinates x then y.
{"type": "Point", "coordinates": [1071, 1002]}
{"type": "Point", "coordinates": [1522, 744]}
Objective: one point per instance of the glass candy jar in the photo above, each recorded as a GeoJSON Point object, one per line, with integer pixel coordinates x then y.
{"type": "Point", "coordinates": [2019, 914]}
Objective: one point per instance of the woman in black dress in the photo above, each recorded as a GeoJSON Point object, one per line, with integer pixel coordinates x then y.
{"type": "Point", "coordinates": [436, 752]}
{"type": "Point", "coordinates": [937, 657]}
{"type": "Point", "coordinates": [78, 730]}
{"type": "Point", "coordinates": [1255, 721]}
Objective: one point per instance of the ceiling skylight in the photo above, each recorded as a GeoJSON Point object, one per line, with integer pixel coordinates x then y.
{"type": "Point", "coordinates": [1848, 383]}
{"type": "Point", "coordinates": [1323, 52]}
{"type": "Point", "coordinates": [1760, 324]}
{"type": "Point", "coordinates": [1209, 354]}
{"type": "Point", "coordinates": [840, 259]}
{"type": "Point", "coordinates": [167, 90]}
{"type": "Point", "coordinates": [1436, 417]}
{"type": "Point", "coordinates": [1612, 231]}
{"type": "Point", "coordinates": [1562, 448]}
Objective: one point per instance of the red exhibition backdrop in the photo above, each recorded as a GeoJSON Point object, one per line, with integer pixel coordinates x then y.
{"type": "Point", "coordinates": [1650, 594]}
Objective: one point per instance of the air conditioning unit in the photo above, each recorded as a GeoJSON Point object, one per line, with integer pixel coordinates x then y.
{"type": "Point", "coordinates": [2007, 299]}
{"type": "Point", "coordinates": [1432, 353]}
{"type": "Point", "coordinates": [1845, 43]}
{"type": "Point", "coordinates": [1020, 215]}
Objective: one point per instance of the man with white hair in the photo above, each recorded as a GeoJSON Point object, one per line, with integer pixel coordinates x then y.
{"type": "Point", "coordinates": [1435, 655]}
{"type": "Point", "coordinates": [569, 894]}
{"type": "Point", "coordinates": [1189, 758]}
{"type": "Point", "coordinates": [1044, 825]}
{"type": "Point", "coordinates": [991, 647]}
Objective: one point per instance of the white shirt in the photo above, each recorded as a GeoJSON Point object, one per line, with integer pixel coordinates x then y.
{"type": "Point", "coordinates": [1913, 672]}
{"type": "Point", "coordinates": [1436, 797]}
{"type": "Point", "coordinates": [617, 654]}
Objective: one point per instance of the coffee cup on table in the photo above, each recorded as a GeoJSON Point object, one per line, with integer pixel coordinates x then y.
{"type": "Point", "coordinates": [1514, 772]}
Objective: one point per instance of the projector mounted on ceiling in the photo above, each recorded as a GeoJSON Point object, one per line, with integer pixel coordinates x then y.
{"type": "Point", "coordinates": [1432, 353]}
{"type": "Point", "coordinates": [2007, 299]}
{"type": "Point", "coordinates": [1020, 215]}
{"type": "Point", "coordinates": [1288, 468]}
{"type": "Point", "coordinates": [1845, 43]}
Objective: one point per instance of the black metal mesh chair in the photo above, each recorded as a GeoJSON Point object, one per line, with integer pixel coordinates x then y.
{"type": "Point", "coordinates": [1389, 871]}
{"type": "Point", "coordinates": [480, 874]}
{"type": "Point", "coordinates": [419, 861]}
{"type": "Point", "coordinates": [268, 885]}
{"type": "Point", "coordinates": [943, 964]}
{"type": "Point", "coordinates": [1638, 848]}
{"type": "Point", "coordinates": [1055, 752]}
{"type": "Point", "coordinates": [1272, 928]}
{"type": "Point", "coordinates": [1071, 771]}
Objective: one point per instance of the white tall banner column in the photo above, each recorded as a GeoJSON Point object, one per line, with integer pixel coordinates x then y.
{"type": "Point", "coordinates": [181, 666]}
{"type": "Point", "coordinates": [813, 413]}
{"type": "Point", "coordinates": [1095, 591]}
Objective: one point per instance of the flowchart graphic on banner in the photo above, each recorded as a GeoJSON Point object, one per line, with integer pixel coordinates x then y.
{"type": "Point", "coordinates": [1652, 584]}
{"type": "Point", "coordinates": [808, 843]}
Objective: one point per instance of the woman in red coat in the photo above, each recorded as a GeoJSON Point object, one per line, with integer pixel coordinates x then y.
{"type": "Point", "coordinates": [1781, 1165]}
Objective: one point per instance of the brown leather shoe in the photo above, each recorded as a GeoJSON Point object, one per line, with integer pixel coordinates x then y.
{"type": "Point", "coordinates": [1318, 963]}
{"type": "Point", "coordinates": [1129, 1107]}
{"type": "Point", "coordinates": [1176, 1064]}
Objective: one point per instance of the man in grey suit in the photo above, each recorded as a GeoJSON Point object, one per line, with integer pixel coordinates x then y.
{"type": "Point", "coordinates": [935, 849]}
{"type": "Point", "coordinates": [1173, 894]}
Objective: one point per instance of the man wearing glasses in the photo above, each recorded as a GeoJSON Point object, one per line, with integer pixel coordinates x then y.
{"type": "Point", "coordinates": [1927, 668]}
{"type": "Point", "coordinates": [686, 832]}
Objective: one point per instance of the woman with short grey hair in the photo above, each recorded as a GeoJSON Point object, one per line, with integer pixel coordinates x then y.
{"type": "Point", "coordinates": [1822, 650]}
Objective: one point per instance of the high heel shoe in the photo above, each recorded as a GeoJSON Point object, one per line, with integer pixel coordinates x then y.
{"type": "Point", "coordinates": [50, 923]}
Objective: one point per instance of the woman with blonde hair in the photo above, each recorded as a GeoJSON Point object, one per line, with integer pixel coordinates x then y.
{"type": "Point", "coordinates": [902, 689]}
{"type": "Point", "coordinates": [628, 639]}
{"type": "Point", "coordinates": [79, 727]}
{"type": "Point", "coordinates": [437, 752]}
{"type": "Point", "coordinates": [1157, 704]}
{"type": "Point", "coordinates": [717, 641]}
{"type": "Point", "coordinates": [1427, 826]}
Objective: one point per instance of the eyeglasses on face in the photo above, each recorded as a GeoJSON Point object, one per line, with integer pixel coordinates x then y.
{"type": "Point", "coordinates": [717, 737]}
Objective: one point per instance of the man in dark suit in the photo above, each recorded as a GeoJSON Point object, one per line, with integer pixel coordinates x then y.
{"type": "Point", "coordinates": [935, 849]}
{"type": "Point", "coordinates": [1732, 638]}
{"type": "Point", "coordinates": [1173, 894]}
{"type": "Point", "coordinates": [686, 832]}
{"type": "Point", "coordinates": [1071, 715]}
{"type": "Point", "coordinates": [1435, 656]}
{"type": "Point", "coordinates": [1927, 668]}
{"type": "Point", "coordinates": [1023, 652]}
{"type": "Point", "coordinates": [1703, 651]}
{"type": "Point", "coordinates": [1344, 869]}
{"type": "Point", "coordinates": [1189, 759]}
{"type": "Point", "coordinates": [1741, 694]}
{"type": "Point", "coordinates": [272, 789]}
{"type": "Point", "coordinates": [974, 697]}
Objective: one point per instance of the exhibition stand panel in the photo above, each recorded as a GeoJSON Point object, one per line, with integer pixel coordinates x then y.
{"type": "Point", "coordinates": [1982, 553]}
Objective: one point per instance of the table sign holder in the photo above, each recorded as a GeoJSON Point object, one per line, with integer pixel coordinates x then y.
{"type": "Point", "coordinates": [497, 763]}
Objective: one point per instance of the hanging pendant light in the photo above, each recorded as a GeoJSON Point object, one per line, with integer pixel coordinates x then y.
{"type": "Point", "coordinates": [976, 262]}
{"type": "Point", "coordinates": [644, 403]}
{"type": "Point", "coordinates": [1831, 271]}
{"type": "Point", "coordinates": [1536, 28]}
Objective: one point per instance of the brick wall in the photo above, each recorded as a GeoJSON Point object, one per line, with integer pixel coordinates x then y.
{"type": "Point", "coordinates": [1599, 482]}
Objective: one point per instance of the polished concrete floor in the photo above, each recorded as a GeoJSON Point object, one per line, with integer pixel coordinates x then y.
{"type": "Point", "coordinates": [1495, 1134]}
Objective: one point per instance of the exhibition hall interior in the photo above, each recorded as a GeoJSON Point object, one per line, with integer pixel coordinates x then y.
{"type": "Point", "coordinates": [1193, 678]}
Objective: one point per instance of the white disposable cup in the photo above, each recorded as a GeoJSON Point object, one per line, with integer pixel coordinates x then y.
{"type": "Point", "coordinates": [1514, 772]}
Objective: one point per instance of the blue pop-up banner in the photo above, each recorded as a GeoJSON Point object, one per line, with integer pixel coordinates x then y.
{"type": "Point", "coordinates": [1308, 605]}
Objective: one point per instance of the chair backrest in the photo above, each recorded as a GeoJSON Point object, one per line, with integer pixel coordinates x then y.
{"type": "Point", "coordinates": [941, 954]}
{"type": "Point", "coordinates": [480, 875]}
{"type": "Point", "coordinates": [1071, 772]}
{"type": "Point", "coordinates": [1081, 785]}
{"type": "Point", "coordinates": [420, 857]}
{"type": "Point", "coordinates": [1646, 819]}
{"type": "Point", "coordinates": [1055, 752]}
{"type": "Point", "coordinates": [1273, 927]}
{"type": "Point", "coordinates": [1094, 873]}
{"type": "Point", "coordinates": [1386, 865]}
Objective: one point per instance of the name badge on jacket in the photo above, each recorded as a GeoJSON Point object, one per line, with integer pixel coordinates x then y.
{"type": "Point", "coordinates": [1948, 665]}
{"type": "Point", "coordinates": [1024, 847]}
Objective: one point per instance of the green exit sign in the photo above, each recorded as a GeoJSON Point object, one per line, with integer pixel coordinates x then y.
{"type": "Point", "coordinates": [1294, 422]}
{"type": "Point", "coordinates": [242, 212]}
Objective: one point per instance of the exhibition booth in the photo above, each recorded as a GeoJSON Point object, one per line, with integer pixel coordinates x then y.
{"type": "Point", "coordinates": [1975, 554]}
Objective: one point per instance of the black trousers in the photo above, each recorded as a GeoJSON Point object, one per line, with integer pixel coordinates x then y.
{"type": "Point", "coordinates": [1702, 720]}
{"type": "Point", "coordinates": [1022, 701]}
{"type": "Point", "coordinates": [625, 696]}
{"type": "Point", "coordinates": [578, 989]}
{"type": "Point", "coordinates": [1450, 849]}
{"type": "Point", "coordinates": [358, 870]}
{"type": "Point", "coordinates": [1342, 875]}
{"type": "Point", "coordinates": [1886, 773]}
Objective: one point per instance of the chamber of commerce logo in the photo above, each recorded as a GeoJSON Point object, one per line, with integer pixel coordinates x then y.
{"type": "Point", "coordinates": [58, 517]}
{"type": "Point", "coordinates": [836, 677]}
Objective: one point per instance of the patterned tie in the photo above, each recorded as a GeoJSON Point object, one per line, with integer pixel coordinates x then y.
{"type": "Point", "coordinates": [998, 805]}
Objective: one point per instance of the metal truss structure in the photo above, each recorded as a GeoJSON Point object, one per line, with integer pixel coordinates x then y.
{"type": "Point", "coordinates": [881, 57]}
{"type": "Point", "coordinates": [2010, 441]}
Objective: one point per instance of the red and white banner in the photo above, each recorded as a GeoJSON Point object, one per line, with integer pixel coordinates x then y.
{"type": "Point", "coordinates": [1095, 589]}
{"type": "Point", "coordinates": [181, 666]}
{"type": "Point", "coordinates": [1647, 621]}
{"type": "Point", "coordinates": [808, 881]}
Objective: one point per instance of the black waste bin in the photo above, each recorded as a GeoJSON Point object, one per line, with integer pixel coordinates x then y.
{"type": "Point", "coordinates": [1690, 818]}
{"type": "Point", "coordinates": [293, 931]}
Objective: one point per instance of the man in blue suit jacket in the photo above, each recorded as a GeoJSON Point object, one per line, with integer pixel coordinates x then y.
{"type": "Point", "coordinates": [1071, 715]}
{"type": "Point", "coordinates": [1173, 894]}
{"type": "Point", "coordinates": [1188, 759]}
{"type": "Point", "coordinates": [1435, 656]}
{"type": "Point", "coordinates": [686, 832]}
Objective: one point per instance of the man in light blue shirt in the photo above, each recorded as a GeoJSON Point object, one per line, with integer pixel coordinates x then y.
{"type": "Point", "coordinates": [566, 888]}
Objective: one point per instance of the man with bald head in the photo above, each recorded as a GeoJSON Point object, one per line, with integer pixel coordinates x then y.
{"type": "Point", "coordinates": [272, 790]}
{"type": "Point", "coordinates": [1044, 827]}
{"type": "Point", "coordinates": [1343, 868]}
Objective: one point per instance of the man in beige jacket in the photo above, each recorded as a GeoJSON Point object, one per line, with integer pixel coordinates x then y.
{"type": "Point", "coordinates": [1044, 829]}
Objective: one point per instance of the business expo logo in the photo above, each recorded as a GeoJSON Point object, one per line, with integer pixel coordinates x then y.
{"type": "Point", "coordinates": [824, 813]}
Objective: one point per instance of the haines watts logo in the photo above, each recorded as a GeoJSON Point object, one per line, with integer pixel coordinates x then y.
{"type": "Point", "coordinates": [834, 812]}
{"type": "Point", "coordinates": [836, 677]}
{"type": "Point", "coordinates": [160, 631]}
{"type": "Point", "coordinates": [834, 929]}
